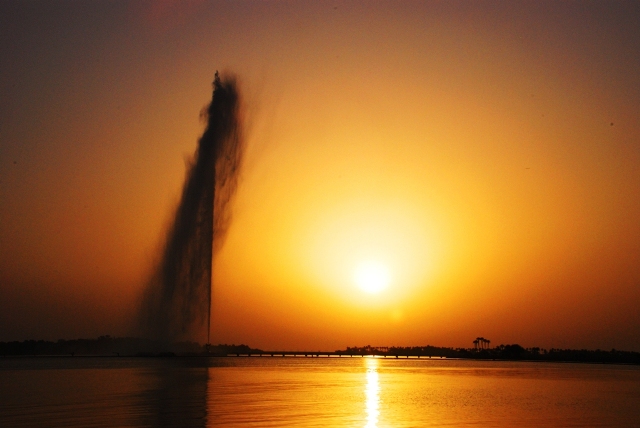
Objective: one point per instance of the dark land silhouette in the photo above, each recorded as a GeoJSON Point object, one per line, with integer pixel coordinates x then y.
{"type": "Point", "coordinates": [502, 352]}
{"type": "Point", "coordinates": [129, 346]}
{"type": "Point", "coordinates": [117, 346]}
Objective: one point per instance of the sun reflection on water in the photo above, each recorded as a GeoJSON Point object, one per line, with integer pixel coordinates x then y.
{"type": "Point", "coordinates": [372, 393]}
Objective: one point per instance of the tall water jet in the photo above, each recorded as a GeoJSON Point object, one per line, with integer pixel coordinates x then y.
{"type": "Point", "coordinates": [177, 300]}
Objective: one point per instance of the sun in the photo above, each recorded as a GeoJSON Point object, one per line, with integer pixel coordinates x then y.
{"type": "Point", "coordinates": [371, 277]}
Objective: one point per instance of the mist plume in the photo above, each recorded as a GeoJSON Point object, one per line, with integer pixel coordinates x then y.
{"type": "Point", "coordinates": [177, 301]}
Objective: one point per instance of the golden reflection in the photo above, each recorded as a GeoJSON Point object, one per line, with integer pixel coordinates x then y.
{"type": "Point", "coordinates": [372, 393]}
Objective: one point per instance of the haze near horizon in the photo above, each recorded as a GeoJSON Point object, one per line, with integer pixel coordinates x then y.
{"type": "Point", "coordinates": [415, 172]}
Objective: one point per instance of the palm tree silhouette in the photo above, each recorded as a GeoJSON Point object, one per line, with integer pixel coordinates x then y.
{"type": "Point", "coordinates": [481, 343]}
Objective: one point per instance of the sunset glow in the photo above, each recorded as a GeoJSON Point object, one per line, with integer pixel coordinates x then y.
{"type": "Point", "coordinates": [372, 277]}
{"type": "Point", "coordinates": [416, 172]}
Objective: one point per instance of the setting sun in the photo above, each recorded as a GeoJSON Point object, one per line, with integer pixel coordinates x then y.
{"type": "Point", "coordinates": [371, 277]}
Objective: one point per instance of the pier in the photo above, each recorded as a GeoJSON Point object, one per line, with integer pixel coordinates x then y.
{"type": "Point", "coordinates": [298, 354]}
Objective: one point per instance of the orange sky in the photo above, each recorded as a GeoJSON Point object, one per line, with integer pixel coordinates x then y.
{"type": "Point", "coordinates": [485, 153]}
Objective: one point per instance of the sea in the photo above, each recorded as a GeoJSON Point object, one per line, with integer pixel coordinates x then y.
{"type": "Point", "coordinates": [362, 392]}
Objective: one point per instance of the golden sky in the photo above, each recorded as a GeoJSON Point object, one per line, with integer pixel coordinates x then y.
{"type": "Point", "coordinates": [483, 157]}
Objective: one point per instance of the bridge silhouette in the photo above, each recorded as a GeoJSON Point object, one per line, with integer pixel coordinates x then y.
{"type": "Point", "coordinates": [326, 355]}
{"type": "Point", "coordinates": [369, 351]}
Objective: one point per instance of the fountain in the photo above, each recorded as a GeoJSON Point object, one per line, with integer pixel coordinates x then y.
{"type": "Point", "coordinates": [177, 300]}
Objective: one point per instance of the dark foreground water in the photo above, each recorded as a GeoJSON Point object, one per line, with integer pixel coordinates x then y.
{"type": "Point", "coordinates": [314, 392]}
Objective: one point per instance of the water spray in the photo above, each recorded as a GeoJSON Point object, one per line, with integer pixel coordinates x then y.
{"type": "Point", "coordinates": [178, 297]}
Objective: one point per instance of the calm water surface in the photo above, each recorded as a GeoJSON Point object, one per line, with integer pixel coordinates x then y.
{"type": "Point", "coordinates": [314, 392]}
